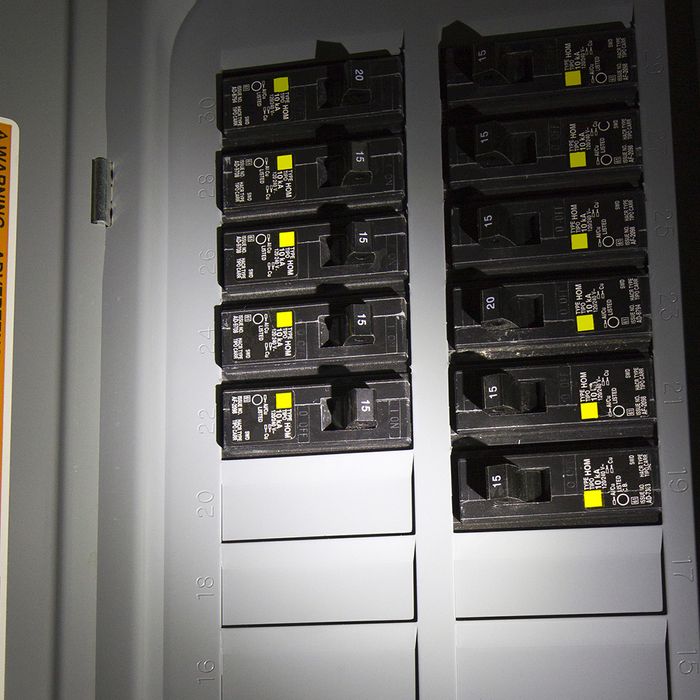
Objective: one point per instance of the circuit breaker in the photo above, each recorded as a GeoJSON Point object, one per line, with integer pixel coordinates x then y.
{"type": "Point", "coordinates": [572, 232]}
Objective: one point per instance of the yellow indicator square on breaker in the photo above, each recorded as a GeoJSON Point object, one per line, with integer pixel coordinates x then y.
{"type": "Point", "coordinates": [283, 399]}
{"type": "Point", "coordinates": [286, 239]}
{"type": "Point", "coordinates": [585, 323]}
{"type": "Point", "coordinates": [589, 410]}
{"type": "Point", "coordinates": [285, 162]}
{"type": "Point", "coordinates": [579, 241]}
{"type": "Point", "coordinates": [282, 84]}
{"type": "Point", "coordinates": [593, 499]}
{"type": "Point", "coordinates": [576, 159]}
{"type": "Point", "coordinates": [572, 78]}
{"type": "Point", "coordinates": [284, 319]}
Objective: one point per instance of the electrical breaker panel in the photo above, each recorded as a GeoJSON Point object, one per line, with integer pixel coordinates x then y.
{"type": "Point", "coordinates": [391, 391]}
{"type": "Point", "coordinates": [418, 323]}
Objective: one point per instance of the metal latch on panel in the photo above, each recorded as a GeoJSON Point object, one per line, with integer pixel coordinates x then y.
{"type": "Point", "coordinates": [101, 201]}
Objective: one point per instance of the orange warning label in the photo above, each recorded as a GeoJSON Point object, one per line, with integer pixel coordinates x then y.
{"type": "Point", "coordinates": [9, 151]}
{"type": "Point", "coordinates": [6, 176]}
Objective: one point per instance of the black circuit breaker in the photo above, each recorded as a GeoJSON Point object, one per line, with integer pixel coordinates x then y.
{"type": "Point", "coordinates": [313, 338]}
{"type": "Point", "coordinates": [293, 102]}
{"type": "Point", "coordinates": [328, 256]}
{"type": "Point", "coordinates": [531, 154]}
{"type": "Point", "coordinates": [552, 317]}
{"type": "Point", "coordinates": [307, 180]}
{"type": "Point", "coordinates": [512, 404]}
{"type": "Point", "coordinates": [546, 70]}
{"type": "Point", "coordinates": [503, 237]}
{"type": "Point", "coordinates": [501, 489]}
{"type": "Point", "coordinates": [337, 415]}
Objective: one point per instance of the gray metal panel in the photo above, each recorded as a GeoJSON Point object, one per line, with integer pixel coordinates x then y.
{"type": "Point", "coordinates": [146, 495]}
{"type": "Point", "coordinates": [428, 319]}
{"type": "Point", "coordinates": [56, 92]}
{"type": "Point", "coordinates": [354, 579]}
{"type": "Point", "coordinates": [315, 497]}
{"type": "Point", "coordinates": [680, 548]}
{"type": "Point", "coordinates": [558, 572]}
{"type": "Point", "coordinates": [60, 394]}
{"type": "Point", "coordinates": [607, 658]}
{"type": "Point", "coordinates": [33, 92]}
{"type": "Point", "coordinates": [131, 565]}
{"type": "Point", "coordinates": [82, 328]}
{"type": "Point", "coordinates": [343, 662]}
{"type": "Point", "coordinates": [215, 27]}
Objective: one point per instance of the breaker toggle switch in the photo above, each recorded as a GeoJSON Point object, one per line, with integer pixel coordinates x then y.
{"type": "Point", "coordinates": [355, 83]}
{"type": "Point", "coordinates": [503, 310]}
{"type": "Point", "coordinates": [498, 229]}
{"type": "Point", "coordinates": [346, 84]}
{"type": "Point", "coordinates": [494, 146]}
{"type": "Point", "coordinates": [356, 247]}
{"type": "Point", "coordinates": [360, 243]}
{"type": "Point", "coordinates": [502, 394]}
{"type": "Point", "coordinates": [509, 483]}
{"type": "Point", "coordinates": [358, 171]}
{"type": "Point", "coordinates": [494, 67]}
{"type": "Point", "coordinates": [517, 66]}
{"type": "Point", "coordinates": [485, 66]}
{"type": "Point", "coordinates": [346, 165]}
{"type": "Point", "coordinates": [353, 411]}
{"type": "Point", "coordinates": [358, 320]}
{"type": "Point", "coordinates": [360, 406]}
{"type": "Point", "coordinates": [354, 327]}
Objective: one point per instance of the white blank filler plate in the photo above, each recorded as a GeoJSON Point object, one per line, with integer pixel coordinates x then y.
{"type": "Point", "coordinates": [606, 658]}
{"type": "Point", "coordinates": [317, 496]}
{"type": "Point", "coordinates": [342, 662]}
{"type": "Point", "coordinates": [359, 579]}
{"type": "Point", "coordinates": [593, 571]}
